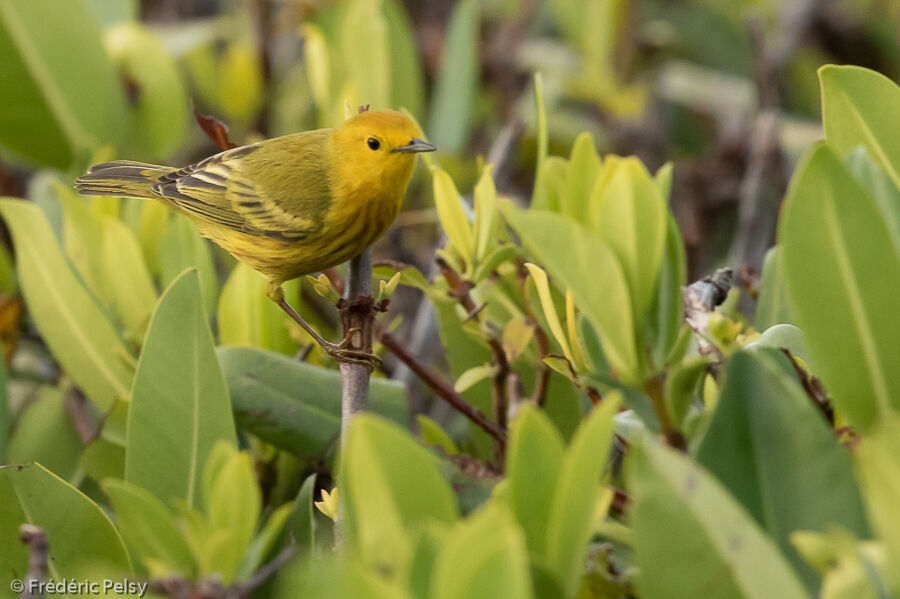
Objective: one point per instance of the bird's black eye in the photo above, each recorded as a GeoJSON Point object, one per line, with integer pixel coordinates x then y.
{"type": "Point", "coordinates": [373, 143]}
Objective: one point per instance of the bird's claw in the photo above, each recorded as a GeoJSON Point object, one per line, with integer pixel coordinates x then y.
{"type": "Point", "coordinates": [341, 353]}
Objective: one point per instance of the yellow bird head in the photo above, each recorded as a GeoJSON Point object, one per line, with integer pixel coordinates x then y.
{"type": "Point", "coordinates": [381, 146]}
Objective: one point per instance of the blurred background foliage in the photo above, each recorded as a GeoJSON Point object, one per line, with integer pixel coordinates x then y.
{"type": "Point", "coordinates": [718, 98]}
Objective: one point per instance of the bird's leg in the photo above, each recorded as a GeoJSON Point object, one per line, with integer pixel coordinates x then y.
{"type": "Point", "coordinates": [338, 351]}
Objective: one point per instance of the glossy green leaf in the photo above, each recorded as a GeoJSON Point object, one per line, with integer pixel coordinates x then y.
{"type": "Point", "coordinates": [879, 473]}
{"type": "Point", "coordinates": [263, 542]}
{"type": "Point", "coordinates": [179, 405]}
{"type": "Point", "coordinates": [452, 216]}
{"type": "Point", "coordinates": [59, 95]}
{"type": "Point", "coordinates": [301, 522]}
{"type": "Point", "coordinates": [383, 504]}
{"type": "Point", "coordinates": [879, 185]}
{"type": "Point", "coordinates": [125, 278]}
{"type": "Point", "coordinates": [333, 577]}
{"type": "Point", "coordinates": [84, 544]}
{"type": "Point", "coordinates": [576, 493]}
{"type": "Point", "coordinates": [247, 316]}
{"type": "Point", "coordinates": [539, 196]}
{"type": "Point", "coordinates": [73, 326]}
{"type": "Point", "coordinates": [233, 506]}
{"type": "Point", "coordinates": [13, 553]}
{"type": "Point", "coordinates": [293, 405]}
{"type": "Point", "coordinates": [783, 336]}
{"type": "Point", "coordinates": [857, 109]}
{"type": "Point", "coordinates": [583, 167]}
{"type": "Point", "coordinates": [483, 557]}
{"type": "Point", "coordinates": [534, 459]}
{"type": "Point", "coordinates": [456, 87]}
{"type": "Point", "coordinates": [773, 304]}
{"type": "Point", "coordinates": [632, 218]}
{"type": "Point", "coordinates": [45, 433]}
{"type": "Point", "coordinates": [433, 434]}
{"type": "Point", "coordinates": [150, 530]}
{"type": "Point", "coordinates": [472, 376]}
{"type": "Point", "coordinates": [666, 315]}
{"type": "Point", "coordinates": [681, 385]}
{"type": "Point", "coordinates": [181, 247]}
{"type": "Point", "coordinates": [569, 252]}
{"type": "Point", "coordinates": [161, 107]}
{"type": "Point", "coordinates": [693, 536]}
{"type": "Point", "coordinates": [82, 237]}
{"type": "Point", "coordinates": [774, 451]}
{"type": "Point", "coordinates": [843, 273]}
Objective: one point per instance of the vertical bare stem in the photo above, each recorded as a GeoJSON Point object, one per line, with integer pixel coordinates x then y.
{"type": "Point", "coordinates": [355, 377]}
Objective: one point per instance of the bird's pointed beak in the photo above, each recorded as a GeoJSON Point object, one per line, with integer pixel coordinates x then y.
{"type": "Point", "coordinates": [416, 145]}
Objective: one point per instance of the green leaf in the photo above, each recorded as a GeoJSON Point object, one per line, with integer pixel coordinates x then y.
{"type": "Point", "coordinates": [13, 553]}
{"type": "Point", "coordinates": [485, 199]}
{"type": "Point", "coordinates": [474, 375]}
{"type": "Point", "coordinates": [301, 523]}
{"type": "Point", "coordinates": [692, 539]}
{"type": "Point", "coordinates": [59, 95]}
{"type": "Point", "coordinates": [233, 506]}
{"type": "Point", "coordinates": [150, 530]}
{"type": "Point", "coordinates": [73, 326]}
{"type": "Point", "coordinates": [248, 317]}
{"type": "Point", "coordinates": [879, 474]}
{"type": "Point", "coordinates": [584, 164]}
{"type": "Point", "coordinates": [569, 252]}
{"type": "Point", "coordinates": [773, 305]}
{"type": "Point", "coordinates": [843, 273]}
{"type": "Point", "coordinates": [384, 504]}
{"type": "Point", "coordinates": [774, 451]}
{"type": "Point", "coordinates": [45, 433]}
{"type": "Point", "coordinates": [633, 218]}
{"type": "Point", "coordinates": [433, 434]}
{"type": "Point", "coordinates": [456, 87]}
{"type": "Point", "coordinates": [666, 315]}
{"type": "Point", "coordinates": [293, 405]}
{"type": "Point", "coordinates": [125, 277]}
{"type": "Point", "coordinates": [576, 493]}
{"type": "Point", "coordinates": [183, 247]}
{"type": "Point", "coordinates": [539, 196]}
{"type": "Point", "coordinates": [333, 577]}
{"type": "Point", "coordinates": [857, 110]}
{"type": "Point", "coordinates": [452, 216]}
{"type": "Point", "coordinates": [681, 385]}
{"type": "Point", "coordinates": [533, 463]}
{"type": "Point", "coordinates": [263, 542]}
{"type": "Point", "coordinates": [84, 544]}
{"type": "Point", "coordinates": [179, 405]}
{"type": "Point", "coordinates": [783, 336]}
{"type": "Point", "coordinates": [109, 12]}
{"type": "Point", "coordinates": [483, 557]}
{"type": "Point", "coordinates": [161, 106]}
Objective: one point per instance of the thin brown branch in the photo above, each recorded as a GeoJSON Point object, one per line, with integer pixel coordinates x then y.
{"type": "Point", "coordinates": [460, 288]}
{"type": "Point", "coordinates": [441, 388]}
{"type": "Point", "coordinates": [38, 554]}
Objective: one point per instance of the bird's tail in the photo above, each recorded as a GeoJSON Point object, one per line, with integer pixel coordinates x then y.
{"type": "Point", "coordinates": [121, 178]}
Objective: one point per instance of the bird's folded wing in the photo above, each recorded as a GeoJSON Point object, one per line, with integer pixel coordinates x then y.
{"type": "Point", "coordinates": [218, 190]}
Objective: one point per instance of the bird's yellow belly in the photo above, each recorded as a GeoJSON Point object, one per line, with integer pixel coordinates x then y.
{"type": "Point", "coordinates": [344, 235]}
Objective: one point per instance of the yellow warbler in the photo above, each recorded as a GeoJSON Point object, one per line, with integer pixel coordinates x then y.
{"type": "Point", "coordinates": [287, 206]}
